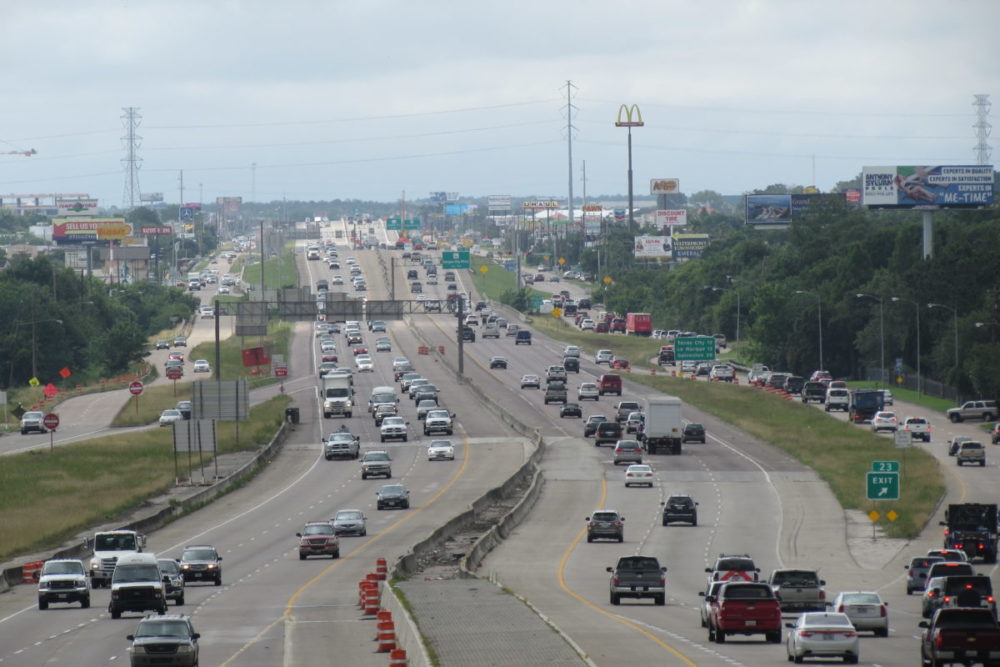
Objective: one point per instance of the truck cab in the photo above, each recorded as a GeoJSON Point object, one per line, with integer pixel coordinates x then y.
{"type": "Point", "coordinates": [109, 547]}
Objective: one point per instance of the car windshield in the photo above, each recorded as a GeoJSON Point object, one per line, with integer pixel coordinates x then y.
{"type": "Point", "coordinates": [349, 515]}
{"type": "Point", "coordinates": [638, 563]}
{"type": "Point", "coordinates": [318, 529]}
{"type": "Point", "coordinates": [123, 542]}
{"type": "Point", "coordinates": [381, 456]}
{"type": "Point", "coordinates": [605, 516]}
{"type": "Point", "coordinates": [861, 598]}
{"type": "Point", "coordinates": [157, 628]}
{"type": "Point", "coordinates": [66, 567]}
{"type": "Point", "coordinates": [168, 566]}
{"type": "Point", "coordinates": [748, 591]}
{"type": "Point", "coordinates": [437, 413]}
{"type": "Point", "coordinates": [796, 578]}
{"type": "Point", "coordinates": [135, 573]}
{"type": "Point", "coordinates": [393, 421]}
{"type": "Point", "coordinates": [735, 564]}
{"type": "Point", "coordinates": [198, 554]}
{"type": "Point", "coordinates": [393, 490]}
{"type": "Point", "coordinates": [679, 501]}
{"type": "Point", "coordinates": [440, 443]}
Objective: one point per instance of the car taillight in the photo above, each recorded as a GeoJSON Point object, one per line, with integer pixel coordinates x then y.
{"type": "Point", "coordinates": [663, 581]}
{"type": "Point", "coordinates": [615, 580]}
{"type": "Point", "coordinates": [945, 531]}
{"type": "Point", "coordinates": [938, 642]}
{"type": "Point", "coordinates": [618, 523]}
{"type": "Point", "coordinates": [882, 611]}
{"type": "Point", "coordinates": [911, 573]}
{"type": "Point", "coordinates": [849, 633]}
{"type": "Point", "coordinates": [981, 546]}
{"type": "Point", "coordinates": [822, 595]}
{"type": "Point", "coordinates": [806, 633]}
{"type": "Point", "coordinates": [840, 609]}
{"type": "Point", "coordinates": [989, 599]}
{"type": "Point", "coordinates": [946, 599]}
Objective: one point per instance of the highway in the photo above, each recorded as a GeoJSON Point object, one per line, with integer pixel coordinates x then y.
{"type": "Point", "coordinates": [276, 610]}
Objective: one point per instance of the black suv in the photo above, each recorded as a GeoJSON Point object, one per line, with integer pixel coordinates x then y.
{"type": "Point", "coordinates": [608, 431]}
{"type": "Point", "coordinates": [679, 507]}
{"type": "Point", "coordinates": [571, 364]}
{"type": "Point", "coordinates": [167, 639]}
{"type": "Point", "coordinates": [468, 334]}
{"type": "Point", "coordinates": [693, 433]}
{"type": "Point", "coordinates": [201, 563]}
{"type": "Point", "coordinates": [590, 427]}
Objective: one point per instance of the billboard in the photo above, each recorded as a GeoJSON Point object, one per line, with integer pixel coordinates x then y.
{"type": "Point", "coordinates": [156, 230]}
{"type": "Point", "coordinates": [151, 196]}
{"type": "Point", "coordinates": [76, 206]}
{"type": "Point", "coordinates": [652, 246]}
{"type": "Point", "coordinates": [498, 203]}
{"type": "Point", "coordinates": [229, 204]}
{"type": "Point", "coordinates": [947, 186]}
{"type": "Point", "coordinates": [89, 230]}
{"type": "Point", "coordinates": [664, 186]}
{"type": "Point", "coordinates": [670, 217]}
{"type": "Point", "coordinates": [781, 209]}
{"type": "Point", "coordinates": [457, 209]}
{"type": "Point", "coordinates": [540, 205]}
{"type": "Point", "coordinates": [689, 246]}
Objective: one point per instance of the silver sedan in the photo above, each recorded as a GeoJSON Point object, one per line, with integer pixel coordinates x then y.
{"type": "Point", "coordinates": [822, 634]}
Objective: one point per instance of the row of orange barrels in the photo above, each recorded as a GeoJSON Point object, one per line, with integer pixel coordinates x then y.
{"type": "Point", "coordinates": [424, 350]}
{"type": "Point", "coordinates": [385, 628]}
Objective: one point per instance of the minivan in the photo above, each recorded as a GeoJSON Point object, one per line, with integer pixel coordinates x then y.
{"type": "Point", "coordinates": [609, 383]}
{"type": "Point", "coordinates": [522, 336]}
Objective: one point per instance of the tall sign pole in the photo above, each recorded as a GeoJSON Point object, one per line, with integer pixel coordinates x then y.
{"type": "Point", "coordinates": [629, 117]}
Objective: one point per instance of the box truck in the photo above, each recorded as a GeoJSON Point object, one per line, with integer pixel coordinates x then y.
{"type": "Point", "coordinates": [664, 427]}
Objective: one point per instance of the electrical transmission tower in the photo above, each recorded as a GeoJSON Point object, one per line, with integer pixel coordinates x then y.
{"type": "Point", "coordinates": [131, 119]}
{"type": "Point", "coordinates": [982, 127]}
{"type": "Point", "coordinates": [569, 150]}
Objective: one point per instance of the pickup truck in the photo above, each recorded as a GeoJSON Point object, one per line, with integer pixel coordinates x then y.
{"type": "Point", "coordinates": [341, 444]}
{"type": "Point", "coordinates": [555, 392]}
{"type": "Point", "coordinates": [971, 452]}
{"type": "Point", "coordinates": [638, 577]}
{"type": "Point", "coordinates": [744, 608]}
{"type": "Point", "coordinates": [624, 409]}
{"type": "Point", "coordinates": [814, 391]}
{"type": "Point", "coordinates": [798, 590]}
{"type": "Point", "coordinates": [918, 428]}
{"type": "Point", "coordinates": [961, 635]}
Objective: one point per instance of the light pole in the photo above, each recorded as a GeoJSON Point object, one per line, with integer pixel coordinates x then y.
{"type": "Point", "coordinates": [819, 310]}
{"type": "Point", "coordinates": [629, 121]}
{"type": "Point", "coordinates": [738, 309]}
{"type": "Point", "coordinates": [34, 345]}
{"type": "Point", "coordinates": [881, 327]}
{"type": "Point", "coordinates": [954, 312]}
{"type": "Point", "coordinates": [916, 306]}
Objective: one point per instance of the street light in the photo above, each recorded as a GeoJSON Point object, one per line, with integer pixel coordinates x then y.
{"type": "Point", "coordinates": [881, 326]}
{"type": "Point", "coordinates": [916, 305]}
{"type": "Point", "coordinates": [954, 312]}
{"type": "Point", "coordinates": [724, 289]}
{"type": "Point", "coordinates": [819, 310]}
{"type": "Point", "coordinates": [34, 346]}
{"type": "Point", "coordinates": [629, 122]}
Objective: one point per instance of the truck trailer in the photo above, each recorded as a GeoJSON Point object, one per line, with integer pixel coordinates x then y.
{"type": "Point", "coordinates": [664, 427]}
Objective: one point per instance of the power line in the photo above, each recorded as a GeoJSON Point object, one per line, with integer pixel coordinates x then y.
{"type": "Point", "coordinates": [791, 112]}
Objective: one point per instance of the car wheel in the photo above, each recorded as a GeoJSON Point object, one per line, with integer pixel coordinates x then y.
{"type": "Point", "coordinates": [850, 659]}
{"type": "Point", "coordinates": [404, 438]}
{"type": "Point", "coordinates": [43, 604]}
{"type": "Point", "coordinates": [364, 476]}
{"type": "Point", "coordinates": [660, 599]}
{"type": "Point", "coordinates": [364, 532]}
{"type": "Point", "coordinates": [798, 659]}
{"type": "Point", "coordinates": [615, 599]}
{"type": "Point", "coordinates": [380, 506]}
{"type": "Point", "coordinates": [335, 554]}
{"type": "Point", "coordinates": [590, 538]}
{"type": "Point", "coordinates": [382, 438]}
{"type": "Point", "coordinates": [621, 538]}
{"type": "Point", "coordinates": [711, 634]}
{"type": "Point", "coordinates": [882, 632]}
{"type": "Point", "coordinates": [218, 580]}
{"type": "Point", "coordinates": [115, 613]}
{"type": "Point", "coordinates": [773, 637]}
{"type": "Point", "coordinates": [955, 419]}
{"type": "Point", "coordinates": [179, 601]}
{"type": "Point", "coordinates": [720, 637]}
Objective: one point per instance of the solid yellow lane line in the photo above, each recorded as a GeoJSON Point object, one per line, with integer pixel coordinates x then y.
{"type": "Point", "coordinates": [585, 601]}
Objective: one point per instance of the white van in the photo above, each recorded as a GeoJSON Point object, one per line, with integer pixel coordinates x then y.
{"type": "Point", "coordinates": [379, 395]}
{"type": "Point", "coordinates": [137, 585]}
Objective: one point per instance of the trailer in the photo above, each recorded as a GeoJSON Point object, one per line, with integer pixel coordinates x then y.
{"type": "Point", "coordinates": [664, 426]}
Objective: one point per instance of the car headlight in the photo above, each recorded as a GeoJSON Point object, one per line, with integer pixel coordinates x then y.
{"type": "Point", "coordinates": [186, 566]}
{"type": "Point", "coordinates": [185, 648]}
{"type": "Point", "coordinates": [43, 585]}
{"type": "Point", "coordinates": [212, 566]}
{"type": "Point", "coordinates": [95, 563]}
{"type": "Point", "coordinates": [137, 650]}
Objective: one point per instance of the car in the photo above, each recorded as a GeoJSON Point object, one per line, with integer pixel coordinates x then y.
{"type": "Point", "coordinates": [376, 463]}
{"type": "Point", "coordinates": [590, 426]}
{"type": "Point", "coordinates": [350, 522]}
{"type": "Point", "coordinates": [918, 428]}
{"type": "Point", "coordinates": [424, 406]}
{"type": "Point", "coordinates": [733, 567]}
{"type": "Point", "coordinates": [887, 398]}
{"type": "Point", "coordinates": [364, 363]}
{"type": "Point", "coordinates": [224, 289]}
{"type": "Point", "coordinates": [173, 580]}
{"type": "Point", "coordinates": [393, 428]}
{"type": "Point", "coordinates": [570, 410]}
{"type": "Point", "coordinates": [176, 356]}
{"type": "Point", "coordinates": [571, 351]}
{"type": "Point", "coordinates": [693, 432]}
{"type": "Point", "coordinates": [639, 475]}
{"type": "Point", "coordinates": [383, 345]}
{"type": "Point", "coordinates": [168, 639]}
{"type": "Point", "coordinates": [185, 407]}
{"type": "Point", "coordinates": [609, 383]}
{"type": "Point", "coordinates": [170, 416]}
{"type": "Point", "coordinates": [512, 329]}
{"type": "Point", "coordinates": [571, 364]}
{"type": "Point", "coordinates": [440, 450]}
{"type": "Point", "coordinates": [605, 524]}
{"type": "Point", "coordinates": [608, 431]}
{"type": "Point", "coordinates": [326, 367]}
{"type": "Point", "coordinates": [916, 571]}
{"type": "Point", "coordinates": [722, 373]}
{"type": "Point", "coordinates": [627, 451]}
{"type": "Point", "coordinates": [522, 337]}
{"type": "Point", "coordinates": [360, 349]}
{"type": "Point", "coordinates": [884, 421]}
{"type": "Point", "coordinates": [318, 538]}
{"type": "Point", "coordinates": [384, 410]}
{"type": "Point", "coordinates": [498, 362]}
{"type": "Point", "coordinates": [63, 580]}
{"type": "Point", "coordinates": [679, 507]}
{"type": "Point", "coordinates": [33, 420]}
{"type": "Point", "coordinates": [980, 409]}
{"type": "Point", "coordinates": [202, 366]}
{"type": "Point", "coordinates": [439, 421]}
{"type": "Point", "coordinates": [328, 346]}
{"type": "Point", "coordinates": [955, 443]}
{"type": "Point", "coordinates": [180, 341]}
{"type": "Point", "coordinates": [822, 634]}
{"type": "Point", "coordinates": [971, 452]}
{"type": "Point", "coordinates": [173, 363]}
{"type": "Point", "coordinates": [531, 382]}
{"type": "Point", "coordinates": [207, 312]}
{"type": "Point", "coordinates": [635, 422]}
{"type": "Point", "coordinates": [393, 495]}
{"type": "Point", "coordinates": [711, 592]}
{"type": "Point", "coordinates": [163, 345]}
{"type": "Point", "coordinates": [201, 563]}
{"type": "Point", "coordinates": [423, 392]}
{"type": "Point", "coordinates": [866, 609]}
{"type": "Point", "coordinates": [588, 390]}
{"type": "Point", "coordinates": [587, 324]}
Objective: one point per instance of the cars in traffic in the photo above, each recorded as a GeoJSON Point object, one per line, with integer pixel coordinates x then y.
{"type": "Point", "coordinates": [570, 410]}
{"type": "Point", "coordinates": [822, 634]}
{"type": "Point", "coordinates": [350, 522]}
{"type": "Point", "coordinates": [201, 563]}
{"type": "Point", "coordinates": [318, 538]}
{"type": "Point", "coordinates": [638, 577]}
{"type": "Point", "coordinates": [393, 496]}
{"type": "Point", "coordinates": [169, 640]}
{"type": "Point", "coordinates": [530, 381]}
{"type": "Point", "coordinates": [63, 580]}
{"type": "Point", "coordinates": [202, 366]}
{"type": "Point", "coordinates": [679, 507]}
{"type": "Point", "coordinates": [606, 524]}
{"type": "Point", "coordinates": [440, 450]}
{"type": "Point", "coordinates": [639, 475]}
{"type": "Point", "coordinates": [865, 609]}
{"type": "Point", "coordinates": [170, 416]}
{"type": "Point", "coordinates": [173, 579]}
{"type": "Point", "coordinates": [376, 463]}
{"type": "Point", "coordinates": [588, 391]}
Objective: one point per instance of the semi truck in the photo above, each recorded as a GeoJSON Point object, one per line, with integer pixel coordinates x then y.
{"type": "Point", "coordinates": [664, 427]}
{"type": "Point", "coordinates": [972, 528]}
{"type": "Point", "coordinates": [337, 395]}
{"type": "Point", "coordinates": [638, 324]}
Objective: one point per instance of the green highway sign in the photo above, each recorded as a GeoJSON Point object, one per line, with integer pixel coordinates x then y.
{"type": "Point", "coordinates": [393, 224]}
{"type": "Point", "coordinates": [694, 348]}
{"type": "Point", "coordinates": [882, 485]}
{"type": "Point", "coordinates": [411, 223]}
{"type": "Point", "coordinates": [455, 259]}
{"type": "Point", "coordinates": [885, 466]}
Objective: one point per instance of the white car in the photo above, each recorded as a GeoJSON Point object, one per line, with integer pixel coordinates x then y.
{"type": "Point", "coordinates": [822, 634]}
{"type": "Point", "coordinates": [866, 609]}
{"type": "Point", "coordinates": [223, 289]}
{"type": "Point", "coordinates": [328, 346]}
{"type": "Point", "coordinates": [393, 428]}
{"type": "Point", "coordinates": [337, 280]}
{"type": "Point", "coordinates": [588, 390]}
{"type": "Point", "coordinates": [364, 363]}
{"type": "Point", "coordinates": [207, 312]}
{"type": "Point", "coordinates": [885, 421]}
{"type": "Point", "coordinates": [587, 324]}
{"type": "Point", "coordinates": [603, 357]}
{"type": "Point", "coordinates": [639, 475]}
{"type": "Point", "coordinates": [441, 450]}
{"type": "Point", "coordinates": [168, 417]}
{"type": "Point", "coordinates": [202, 366]}
{"type": "Point", "coordinates": [571, 351]}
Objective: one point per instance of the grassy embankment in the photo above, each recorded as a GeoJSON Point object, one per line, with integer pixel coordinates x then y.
{"type": "Point", "coordinates": [279, 271]}
{"type": "Point", "coordinates": [838, 452]}
{"type": "Point", "coordinates": [46, 497]}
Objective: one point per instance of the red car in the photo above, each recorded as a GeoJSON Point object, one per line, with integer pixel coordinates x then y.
{"type": "Point", "coordinates": [176, 356]}
{"type": "Point", "coordinates": [359, 350]}
{"type": "Point", "coordinates": [601, 327]}
{"type": "Point", "coordinates": [620, 364]}
{"type": "Point", "coordinates": [329, 357]}
{"type": "Point", "coordinates": [618, 324]}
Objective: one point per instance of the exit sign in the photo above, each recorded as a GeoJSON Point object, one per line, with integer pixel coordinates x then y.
{"type": "Point", "coordinates": [455, 259]}
{"type": "Point", "coordinates": [882, 485]}
{"type": "Point", "coordinates": [694, 348]}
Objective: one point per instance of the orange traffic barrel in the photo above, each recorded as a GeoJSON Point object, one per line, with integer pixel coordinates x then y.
{"type": "Point", "coordinates": [386, 637]}
{"type": "Point", "coordinates": [397, 658]}
{"type": "Point", "coordinates": [381, 569]}
{"type": "Point", "coordinates": [29, 571]}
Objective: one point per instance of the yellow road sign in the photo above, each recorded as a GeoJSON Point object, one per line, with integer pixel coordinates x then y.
{"type": "Point", "coordinates": [607, 280]}
{"type": "Point", "coordinates": [873, 515]}
{"type": "Point", "coordinates": [34, 382]}
{"type": "Point", "coordinates": [483, 269]}
{"type": "Point", "coordinates": [557, 313]}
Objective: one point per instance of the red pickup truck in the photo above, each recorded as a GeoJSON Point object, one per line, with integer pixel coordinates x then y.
{"type": "Point", "coordinates": [960, 634]}
{"type": "Point", "coordinates": [744, 608]}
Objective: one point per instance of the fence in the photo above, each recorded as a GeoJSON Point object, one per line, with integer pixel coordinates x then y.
{"type": "Point", "coordinates": [930, 387]}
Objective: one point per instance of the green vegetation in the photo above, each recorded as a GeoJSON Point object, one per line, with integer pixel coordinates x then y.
{"type": "Point", "coordinates": [279, 271]}
{"type": "Point", "coordinates": [45, 497]}
{"type": "Point", "coordinates": [156, 399]}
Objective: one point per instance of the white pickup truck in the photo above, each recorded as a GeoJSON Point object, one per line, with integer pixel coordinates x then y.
{"type": "Point", "coordinates": [918, 428]}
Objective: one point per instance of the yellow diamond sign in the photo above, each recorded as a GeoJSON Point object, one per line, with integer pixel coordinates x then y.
{"type": "Point", "coordinates": [557, 312]}
{"type": "Point", "coordinates": [483, 269]}
{"type": "Point", "coordinates": [891, 515]}
{"type": "Point", "coordinates": [873, 515]}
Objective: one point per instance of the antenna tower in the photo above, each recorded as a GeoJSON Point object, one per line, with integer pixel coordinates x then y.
{"type": "Point", "coordinates": [130, 140]}
{"type": "Point", "coordinates": [569, 150]}
{"type": "Point", "coordinates": [982, 127]}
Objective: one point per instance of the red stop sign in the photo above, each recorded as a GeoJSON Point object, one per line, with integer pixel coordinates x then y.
{"type": "Point", "coordinates": [135, 387]}
{"type": "Point", "coordinates": [51, 421]}
{"type": "Point", "coordinates": [174, 373]}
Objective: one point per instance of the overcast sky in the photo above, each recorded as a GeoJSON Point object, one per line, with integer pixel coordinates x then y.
{"type": "Point", "coordinates": [369, 98]}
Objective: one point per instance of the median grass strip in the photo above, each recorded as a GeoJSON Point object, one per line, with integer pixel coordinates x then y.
{"type": "Point", "coordinates": [46, 497]}
{"type": "Point", "coordinates": [279, 271]}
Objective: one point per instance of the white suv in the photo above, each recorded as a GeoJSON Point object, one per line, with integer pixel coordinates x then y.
{"type": "Point", "coordinates": [32, 421]}
{"type": "Point", "coordinates": [604, 357]}
{"type": "Point", "coordinates": [837, 399]}
{"type": "Point", "coordinates": [885, 421]}
{"type": "Point", "coordinates": [722, 373]}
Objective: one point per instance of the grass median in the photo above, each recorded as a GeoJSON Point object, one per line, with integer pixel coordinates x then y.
{"type": "Point", "coordinates": [47, 497]}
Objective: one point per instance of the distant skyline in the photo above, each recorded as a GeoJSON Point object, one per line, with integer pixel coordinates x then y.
{"type": "Point", "coordinates": [335, 100]}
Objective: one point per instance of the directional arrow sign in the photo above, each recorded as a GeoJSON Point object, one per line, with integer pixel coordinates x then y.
{"type": "Point", "coordinates": [883, 485]}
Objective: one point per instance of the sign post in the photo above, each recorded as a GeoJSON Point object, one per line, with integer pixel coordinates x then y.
{"type": "Point", "coordinates": [135, 388]}
{"type": "Point", "coordinates": [51, 422]}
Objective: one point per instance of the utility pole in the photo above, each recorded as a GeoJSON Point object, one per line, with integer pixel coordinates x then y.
{"type": "Point", "coordinates": [180, 180]}
{"type": "Point", "coordinates": [569, 148]}
{"type": "Point", "coordinates": [253, 181]}
{"type": "Point", "coordinates": [131, 141]}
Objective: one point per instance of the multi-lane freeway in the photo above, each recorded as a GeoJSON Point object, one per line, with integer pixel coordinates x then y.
{"type": "Point", "coordinates": [274, 609]}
